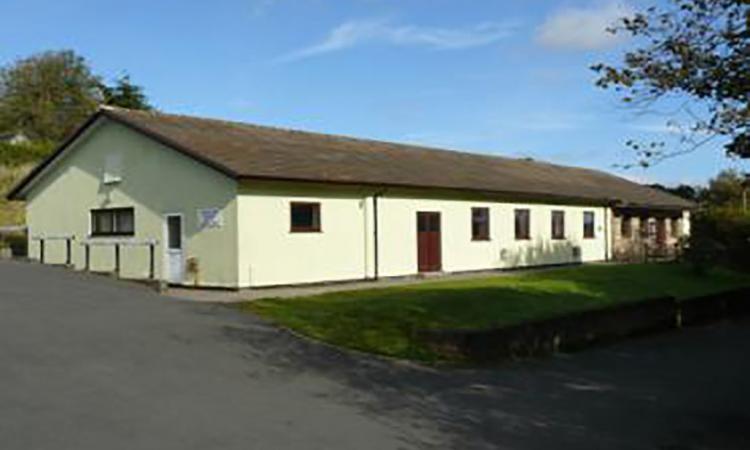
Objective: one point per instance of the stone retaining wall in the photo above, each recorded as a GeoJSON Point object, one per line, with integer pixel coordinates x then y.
{"type": "Point", "coordinates": [579, 330]}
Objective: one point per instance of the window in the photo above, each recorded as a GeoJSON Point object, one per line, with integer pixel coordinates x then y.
{"type": "Point", "coordinates": [305, 217]}
{"type": "Point", "coordinates": [588, 224]}
{"type": "Point", "coordinates": [480, 224]}
{"type": "Point", "coordinates": [523, 226]}
{"type": "Point", "coordinates": [643, 230]}
{"type": "Point", "coordinates": [558, 224]}
{"type": "Point", "coordinates": [676, 226]}
{"type": "Point", "coordinates": [112, 222]}
{"type": "Point", "coordinates": [626, 227]}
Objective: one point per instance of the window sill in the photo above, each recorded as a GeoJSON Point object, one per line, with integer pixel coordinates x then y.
{"type": "Point", "coordinates": [109, 235]}
{"type": "Point", "coordinates": [480, 239]}
{"type": "Point", "coordinates": [305, 230]}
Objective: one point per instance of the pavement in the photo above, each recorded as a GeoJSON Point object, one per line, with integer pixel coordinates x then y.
{"type": "Point", "coordinates": [243, 295]}
{"type": "Point", "coordinates": [87, 362]}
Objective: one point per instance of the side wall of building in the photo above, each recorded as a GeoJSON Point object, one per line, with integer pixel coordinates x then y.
{"type": "Point", "coordinates": [155, 180]}
{"type": "Point", "coordinates": [345, 248]}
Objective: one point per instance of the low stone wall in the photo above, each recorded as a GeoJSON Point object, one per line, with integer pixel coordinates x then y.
{"type": "Point", "coordinates": [583, 329]}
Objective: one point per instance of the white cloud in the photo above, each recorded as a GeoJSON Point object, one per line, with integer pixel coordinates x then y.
{"type": "Point", "coordinates": [359, 32]}
{"type": "Point", "coordinates": [582, 28]}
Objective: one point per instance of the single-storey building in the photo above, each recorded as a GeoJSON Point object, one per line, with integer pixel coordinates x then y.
{"type": "Point", "coordinates": [214, 203]}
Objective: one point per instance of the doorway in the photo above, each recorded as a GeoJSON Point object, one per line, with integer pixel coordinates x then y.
{"type": "Point", "coordinates": [428, 242]}
{"type": "Point", "coordinates": [174, 239]}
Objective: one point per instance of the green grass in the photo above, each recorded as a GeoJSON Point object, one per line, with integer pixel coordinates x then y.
{"type": "Point", "coordinates": [382, 320]}
{"type": "Point", "coordinates": [11, 213]}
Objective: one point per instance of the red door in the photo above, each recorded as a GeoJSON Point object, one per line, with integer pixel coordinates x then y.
{"type": "Point", "coordinates": [428, 241]}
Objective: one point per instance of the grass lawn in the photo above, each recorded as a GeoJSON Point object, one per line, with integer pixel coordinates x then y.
{"type": "Point", "coordinates": [381, 320]}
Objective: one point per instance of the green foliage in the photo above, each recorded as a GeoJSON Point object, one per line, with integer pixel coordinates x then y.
{"type": "Point", "coordinates": [694, 50]}
{"type": "Point", "coordinates": [14, 155]}
{"type": "Point", "coordinates": [725, 190]}
{"type": "Point", "coordinates": [47, 95]}
{"type": "Point", "coordinates": [125, 94]}
{"type": "Point", "coordinates": [17, 242]}
{"type": "Point", "coordinates": [11, 213]}
{"type": "Point", "coordinates": [719, 236]}
{"type": "Point", "coordinates": [384, 320]}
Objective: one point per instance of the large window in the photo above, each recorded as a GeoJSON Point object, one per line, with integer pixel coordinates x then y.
{"type": "Point", "coordinates": [305, 217]}
{"type": "Point", "coordinates": [480, 224]}
{"type": "Point", "coordinates": [113, 222]}
{"type": "Point", "coordinates": [523, 224]}
{"type": "Point", "coordinates": [558, 224]}
{"type": "Point", "coordinates": [588, 224]}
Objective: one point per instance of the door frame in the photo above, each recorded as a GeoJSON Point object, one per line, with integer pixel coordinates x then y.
{"type": "Point", "coordinates": [166, 263]}
{"type": "Point", "coordinates": [439, 262]}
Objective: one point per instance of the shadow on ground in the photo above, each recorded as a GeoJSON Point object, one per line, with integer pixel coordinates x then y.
{"type": "Point", "coordinates": [687, 390]}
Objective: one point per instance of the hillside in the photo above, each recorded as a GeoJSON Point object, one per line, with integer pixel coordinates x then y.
{"type": "Point", "coordinates": [11, 213]}
{"type": "Point", "coordinates": [15, 162]}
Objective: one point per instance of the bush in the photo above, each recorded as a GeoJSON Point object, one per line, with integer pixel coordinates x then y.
{"type": "Point", "coordinates": [17, 243]}
{"type": "Point", "coordinates": [719, 236]}
{"type": "Point", "coordinates": [13, 155]}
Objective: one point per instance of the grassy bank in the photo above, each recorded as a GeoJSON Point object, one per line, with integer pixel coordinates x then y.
{"type": "Point", "coordinates": [11, 213]}
{"type": "Point", "coordinates": [382, 320]}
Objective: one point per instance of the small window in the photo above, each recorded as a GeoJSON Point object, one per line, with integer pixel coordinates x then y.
{"type": "Point", "coordinates": [626, 227]}
{"type": "Point", "coordinates": [523, 224]}
{"type": "Point", "coordinates": [588, 224]}
{"type": "Point", "coordinates": [558, 224]}
{"type": "Point", "coordinates": [174, 232]}
{"type": "Point", "coordinates": [305, 217]}
{"type": "Point", "coordinates": [113, 222]}
{"type": "Point", "coordinates": [480, 224]}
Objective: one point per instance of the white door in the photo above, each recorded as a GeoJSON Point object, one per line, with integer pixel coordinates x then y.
{"type": "Point", "coordinates": [174, 257]}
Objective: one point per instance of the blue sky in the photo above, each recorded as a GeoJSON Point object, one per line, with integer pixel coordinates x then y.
{"type": "Point", "coordinates": [505, 77]}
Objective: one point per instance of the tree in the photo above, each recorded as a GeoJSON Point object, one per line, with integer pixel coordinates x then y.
{"type": "Point", "coordinates": [693, 53]}
{"type": "Point", "coordinates": [725, 190]}
{"type": "Point", "coordinates": [125, 94]}
{"type": "Point", "coordinates": [47, 95]}
{"type": "Point", "coordinates": [685, 191]}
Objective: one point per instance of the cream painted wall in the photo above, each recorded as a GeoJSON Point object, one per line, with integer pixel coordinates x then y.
{"type": "Point", "coordinates": [155, 180]}
{"type": "Point", "coordinates": [398, 237]}
{"type": "Point", "coordinates": [270, 254]}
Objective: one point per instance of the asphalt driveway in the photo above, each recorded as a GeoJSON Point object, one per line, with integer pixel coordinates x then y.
{"type": "Point", "coordinates": [91, 363]}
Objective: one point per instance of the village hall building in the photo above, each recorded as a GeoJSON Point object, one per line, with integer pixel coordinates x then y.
{"type": "Point", "coordinates": [213, 203]}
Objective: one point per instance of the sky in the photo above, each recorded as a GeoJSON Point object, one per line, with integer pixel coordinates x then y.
{"type": "Point", "coordinates": [508, 77]}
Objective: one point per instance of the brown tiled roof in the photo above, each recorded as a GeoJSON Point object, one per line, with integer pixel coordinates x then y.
{"type": "Point", "coordinates": [249, 151]}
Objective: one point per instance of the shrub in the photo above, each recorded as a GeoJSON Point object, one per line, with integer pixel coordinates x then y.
{"type": "Point", "coordinates": [14, 155]}
{"type": "Point", "coordinates": [719, 236]}
{"type": "Point", "coordinates": [17, 243]}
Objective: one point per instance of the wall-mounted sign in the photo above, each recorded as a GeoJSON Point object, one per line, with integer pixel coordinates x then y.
{"type": "Point", "coordinates": [209, 218]}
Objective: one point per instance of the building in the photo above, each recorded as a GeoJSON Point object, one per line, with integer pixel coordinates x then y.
{"type": "Point", "coordinates": [221, 204]}
{"type": "Point", "coordinates": [14, 138]}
